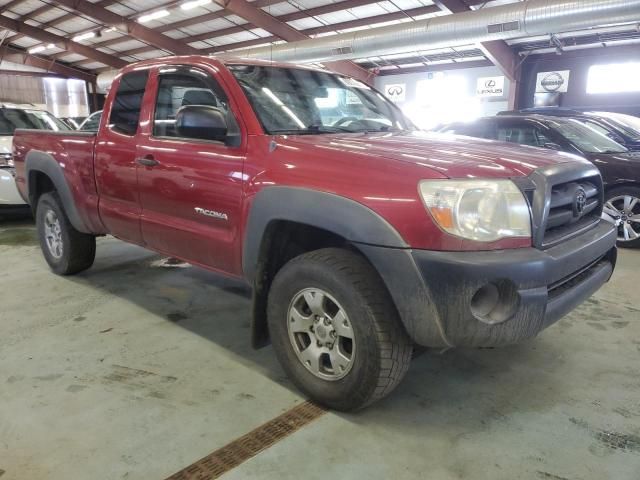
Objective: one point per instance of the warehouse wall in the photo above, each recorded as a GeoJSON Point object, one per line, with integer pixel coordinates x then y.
{"type": "Point", "coordinates": [578, 63]}
{"type": "Point", "coordinates": [62, 97]}
{"type": "Point", "coordinates": [453, 95]}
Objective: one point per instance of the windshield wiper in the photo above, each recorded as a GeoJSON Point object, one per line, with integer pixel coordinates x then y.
{"type": "Point", "coordinates": [311, 130]}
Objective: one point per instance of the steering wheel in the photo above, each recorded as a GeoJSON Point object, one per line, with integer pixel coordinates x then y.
{"type": "Point", "coordinates": [345, 120]}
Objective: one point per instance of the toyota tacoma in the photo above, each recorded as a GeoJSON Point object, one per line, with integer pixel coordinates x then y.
{"type": "Point", "coordinates": [360, 236]}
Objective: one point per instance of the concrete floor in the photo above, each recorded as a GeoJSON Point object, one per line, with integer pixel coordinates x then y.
{"type": "Point", "coordinates": [134, 370]}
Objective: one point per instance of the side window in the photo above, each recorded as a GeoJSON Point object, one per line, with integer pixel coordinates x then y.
{"type": "Point", "coordinates": [476, 129]}
{"type": "Point", "coordinates": [93, 122]}
{"type": "Point", "coordinates": [600, 129]}
{"type": "Point", "coordinates": [522, 134]}
{"type": "Point", "coordinates": [184, 88]}
{"type": "Point", "coordinates": [125, 111]}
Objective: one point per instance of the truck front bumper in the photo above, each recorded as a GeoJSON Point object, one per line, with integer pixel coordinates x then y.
{"type": "Point", "coordinates": [491, 298]}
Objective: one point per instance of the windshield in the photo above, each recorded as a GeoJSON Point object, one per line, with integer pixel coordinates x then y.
{"type": "Point", "coordinates": [628, 124]}
{"type": "Point", "coordinates": [586, 138]}
{"type": "Point", "coordinates": [12, 118]}
{"type": "Point", "coordinates": [298, 101]}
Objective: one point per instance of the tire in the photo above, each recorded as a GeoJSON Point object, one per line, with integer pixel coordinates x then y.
{"type": "Point", "coordinates": [627, 219]}
{"type": "Point", "coordinates": [66, 250]}
{"type": "Point", "coordinates": [379, 350]}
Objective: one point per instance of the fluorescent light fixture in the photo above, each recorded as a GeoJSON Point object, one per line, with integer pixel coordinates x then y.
{"type": "Point", "coordinates": [109, 30]}
{"type": "Point", "coordinates": [194, 4]}
{"type": "Point", "coordinates": [153, 16]}
{"type": "Point", "coordinates": [51, 45]}
{"type": "Point", "coordinates": [37, 49]}
{"type": "Point", "coordinates": [84, 36]}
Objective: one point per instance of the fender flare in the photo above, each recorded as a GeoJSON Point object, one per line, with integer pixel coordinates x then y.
{"type": "Point", "coordinates": [342, 216]}
{"type": "Point", "coordinates": [38, 161]}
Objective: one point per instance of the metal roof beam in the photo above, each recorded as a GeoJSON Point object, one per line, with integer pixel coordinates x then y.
{"type": "Point", "coordinates": [10, 5]}
{"type": "Point", "coordinates": [322, 10]}
{"type": "Point", "coordinates": [387, 17]}
{"type": "Point", "coordinates": [60, 42]}
{"type": "Point", "coordinates": [14, 55]}
{"type": "Point", "coordinates": [263, 20]}
{"type": "Point", "coordinates": [500, 54]}
{"type": "Point", "coordinates": [129, 27]}
{"type": "Point", "coordinates": [47, 7]}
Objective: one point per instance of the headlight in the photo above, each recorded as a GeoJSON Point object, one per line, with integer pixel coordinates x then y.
{"type": "Point", "coordinates": [481, 210]}
{"type": "Point", "coordinates": [6, 160]}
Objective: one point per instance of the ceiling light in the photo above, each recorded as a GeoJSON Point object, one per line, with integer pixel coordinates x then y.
{"type": "Point", "coordinates": [37, 49]}
{"type": "Point", "coordinates": [153, 16]}
{"type": "Point", "coordinates": [194, 4]}
{"type": "Point", "coordinates": [84, 36]}
{"type": "Point", "coordinates": [109, 30]}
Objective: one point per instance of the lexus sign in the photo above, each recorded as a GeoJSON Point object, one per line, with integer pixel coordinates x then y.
{"type": "Point", "coordinates": [490, 87]}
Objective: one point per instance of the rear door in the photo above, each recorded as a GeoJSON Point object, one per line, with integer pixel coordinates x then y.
{"type": "Point", "coordinates": [191, 189]}
{"type": "Point", "coordinates": [115, 159]}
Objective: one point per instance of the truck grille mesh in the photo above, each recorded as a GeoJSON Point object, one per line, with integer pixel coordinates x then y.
{"type": "Point", "coordinates": [564, 218]}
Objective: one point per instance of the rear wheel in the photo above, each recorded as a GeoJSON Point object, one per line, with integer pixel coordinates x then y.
{"type": "Point", "coordinates": [623, 204]}
{"type": "Point", "coordinates": [66, 250]}
{"type": "Point", "coordinates": [335, 329]}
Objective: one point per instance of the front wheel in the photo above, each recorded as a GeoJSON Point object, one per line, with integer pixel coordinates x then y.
{"type": "Point", "coordinates": [335, 329]}
{"type": "Point", "coordinates": [623, 205]}
{"type": "Point", "coordinates": [66, 250]}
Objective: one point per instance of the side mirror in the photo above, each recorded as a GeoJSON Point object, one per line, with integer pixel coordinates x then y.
{"type": "Point", "coordinates": [552, 146]}
{"type": "Point", "coordinates": [202, 122]}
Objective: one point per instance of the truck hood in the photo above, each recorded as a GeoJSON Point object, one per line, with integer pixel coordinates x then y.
{"type": "Point", "coordinates": [5, 144]}
{"type": "Point", "coordinates": [449, 155]}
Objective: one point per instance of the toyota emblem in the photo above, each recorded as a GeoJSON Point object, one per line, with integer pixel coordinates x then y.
{"type": "Point", "coordinates": [579, 202]}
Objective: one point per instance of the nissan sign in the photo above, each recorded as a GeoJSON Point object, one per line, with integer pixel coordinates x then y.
{"type": "Point", "coordinates": [553, 82]}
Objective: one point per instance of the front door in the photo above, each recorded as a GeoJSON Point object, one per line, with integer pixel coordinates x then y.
{"type": "Point", "coordinates": [191, 189]}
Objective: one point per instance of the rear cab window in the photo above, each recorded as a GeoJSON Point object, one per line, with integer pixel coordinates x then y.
{"type": "Point", "coordinates": [127, 103]}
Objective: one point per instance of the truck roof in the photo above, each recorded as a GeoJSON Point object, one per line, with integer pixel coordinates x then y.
{"type": "Point", "coordinates": [226, 60]}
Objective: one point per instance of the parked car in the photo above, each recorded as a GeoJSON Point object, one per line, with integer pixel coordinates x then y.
{"type": "Point", "coordinates": [12, 117]}
{"type": "Point", "coordinates": [73, 122]}
{"type": "Point", "coordinates": [92, 122]}
{"type": "Point", "coordinates": [619, 167]}
{"type": "Point", "coordinates": [359, 235]}
{"type": "Point", "coordinates": [623, 129]}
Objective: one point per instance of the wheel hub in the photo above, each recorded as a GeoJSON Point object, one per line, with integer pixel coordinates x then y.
{"type": "Point", "coordinates": [321, 334]}
{"type": "Point", "coordinates": [624, 211]}
{"type": "Point", "coordinates": [53, 234]}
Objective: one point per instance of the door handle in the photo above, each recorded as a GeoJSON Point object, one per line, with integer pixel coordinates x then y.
{"type": "Point", "coordinates": [147, 161]}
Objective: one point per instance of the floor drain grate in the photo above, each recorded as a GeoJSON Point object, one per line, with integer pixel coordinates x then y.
{"type": "Point", "coordinates": [249, 445]}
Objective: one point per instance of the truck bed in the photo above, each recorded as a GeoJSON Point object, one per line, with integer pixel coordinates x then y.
{"type": "Point", "coordinates": [73, 153]}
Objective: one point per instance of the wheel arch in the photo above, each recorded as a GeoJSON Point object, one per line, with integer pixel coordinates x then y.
{"type": "Point", "coordinates": [287, 221]}
{"type": "Point", "coordinates": [43, 174]}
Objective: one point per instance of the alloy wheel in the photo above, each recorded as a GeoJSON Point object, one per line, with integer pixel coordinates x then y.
{"type": "Point", "coordinates": [53, 234]}
{"type": "Point", "coordinates": [321, 334]}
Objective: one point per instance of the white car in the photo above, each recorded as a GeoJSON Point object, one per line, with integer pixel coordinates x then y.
{"type": "Point", "coordinates": [12, 117]}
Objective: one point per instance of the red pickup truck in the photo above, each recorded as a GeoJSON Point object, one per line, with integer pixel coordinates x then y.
{"type": "Point", "coordinates": [360, 236]}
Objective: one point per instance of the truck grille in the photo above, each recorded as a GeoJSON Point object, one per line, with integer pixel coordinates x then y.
{"type": "Point", "coordinates": [565, 199]}
{"type": "Point", "coordinates": [565, 217]}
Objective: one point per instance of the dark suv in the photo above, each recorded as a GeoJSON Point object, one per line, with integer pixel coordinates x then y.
{"type": "Point", "coordinates": [622, 128]}
{"type": "Point", "coordinates": [619, 167]}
